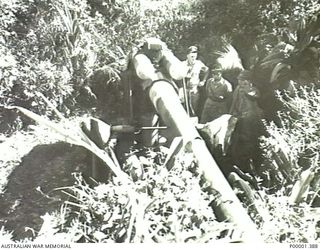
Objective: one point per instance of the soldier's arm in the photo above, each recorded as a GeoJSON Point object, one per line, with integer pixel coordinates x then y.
{"type": "Point", "coordinates": [175, 67]}
{"type": "Point", "coordinates": [144, 68]}
{"type": "Point", "coordinates": [206, 72]}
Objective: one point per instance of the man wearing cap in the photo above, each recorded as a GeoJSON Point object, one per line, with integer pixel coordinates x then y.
{"type": "Point", "coordinates": [245, 96]}
{"type": "Point", "coordinates": [151, 62]}
{"type": "Point", "coordinates": [218, 97]}
{"type": "Point", "coordinates": [249, 127]}
{"type": "Point", "coordinates": [194, 68]}
{"type": "Point", "coordinates": [154, 61]}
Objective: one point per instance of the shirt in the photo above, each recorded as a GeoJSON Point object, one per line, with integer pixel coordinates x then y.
{"type": "Point", "coordinates": [193, 72]}
{"type": "Point", "coordinates": [218, 90]}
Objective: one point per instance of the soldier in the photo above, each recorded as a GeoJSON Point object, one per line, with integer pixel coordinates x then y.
{"type": "Point", "coordinates": [153, 61]}
{"type": "Point", "coordinates": [249, 127]}
{"type": "Point", "coordinates": [218, 96]}
{"type": "Point", "coordinates": [192, 81]}
{"type": "Point", "coordinates": [244, 103]}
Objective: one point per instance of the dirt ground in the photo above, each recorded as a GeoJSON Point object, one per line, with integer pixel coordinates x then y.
{"type": "Point", "coordinates": [48, 167]}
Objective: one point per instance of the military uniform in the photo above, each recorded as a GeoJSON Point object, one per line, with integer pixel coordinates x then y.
{"type": "Point", "coordinates": [193, 69]}
{"type": "Point", "coordinates": [245, 107]}
{"type": "Point", "coordinates": [152, 62]}
{"type": "Point", "coordinates": [218, 99]}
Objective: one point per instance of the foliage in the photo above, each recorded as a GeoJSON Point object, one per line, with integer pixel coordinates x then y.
{"type": "Point", "coordinates": [297, 138]}
{"type": "Point", "coordinates": [161, 206]}
{"type": "Point", "coordinates": [302, 59]}
{"type": "Point", "coordinates": [280, 221]}
{"type": "Point", "coordinates": [158, 205]}
{"type": "Point", "coordinates": [254, 27]}
{"type": "Point", "coordinates": [283, 208]}
{"type": "Point", "coordinates": [72, 51]}
{"type": "Point", "coordinates": [302, 119]}
{"type": "Point", "coordinates": [291, 167]}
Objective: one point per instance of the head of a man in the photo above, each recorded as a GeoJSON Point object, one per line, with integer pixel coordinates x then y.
{"type": "Point", "coordinates": [216, 73]}
{"type": "Point", "coordinates": [244, 78]}
{"type": "Point", "coordinates": [155, 55]}
{"type": "Point", "coordinates": [217, 76]}
{"type": "Point", "coordinates": [192, 54]}
{"type": "Point", "coordinates": [153, 48]}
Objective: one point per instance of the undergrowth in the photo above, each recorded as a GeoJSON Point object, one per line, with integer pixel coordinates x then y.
{"type": "Point", "coordinates": [290, 211]}
{"type": "Point", "coordinates": [280, 221]}
{"type": "Point", "coordinates": [292, 149]}
{"type": "Point", "coordinates": [159, 206]}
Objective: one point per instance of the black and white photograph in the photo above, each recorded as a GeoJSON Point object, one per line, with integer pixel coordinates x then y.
{"type": "Point", "coordinates": [159, 121]}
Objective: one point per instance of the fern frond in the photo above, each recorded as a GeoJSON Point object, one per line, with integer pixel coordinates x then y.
{"type": "Point", "coordinates": [229, 58]}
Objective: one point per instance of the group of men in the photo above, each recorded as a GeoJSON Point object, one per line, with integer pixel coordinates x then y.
{"type": "Point", "coordinates": [240, 101]}
{"type": "Point", "coordinates": [154, 61]}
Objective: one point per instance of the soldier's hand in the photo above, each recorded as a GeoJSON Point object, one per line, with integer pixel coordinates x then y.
{"type": "Point", "coordinates": [202, 83]}
{"type": "Point", "coordinates": [181, 95]}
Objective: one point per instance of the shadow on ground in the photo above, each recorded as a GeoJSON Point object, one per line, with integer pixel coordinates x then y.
{"type": "Point", "coordinates": [48, 167]}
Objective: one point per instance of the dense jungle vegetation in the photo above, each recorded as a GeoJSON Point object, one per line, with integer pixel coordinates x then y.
{"type": "Point", "coordinates": [62, 60]}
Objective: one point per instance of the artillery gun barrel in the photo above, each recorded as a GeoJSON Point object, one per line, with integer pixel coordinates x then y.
{"type": "Point", "coordinates": [168, 106]}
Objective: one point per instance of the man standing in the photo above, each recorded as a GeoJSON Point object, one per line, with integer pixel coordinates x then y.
{"type": "Point", "coordinates": [152, 62]}
{"type": "Point", "coordinates": [218, 97]}
{"type": "Point", "coordinates": [192, 81]}
{"type": "Point", "coordinates": [245, 146]}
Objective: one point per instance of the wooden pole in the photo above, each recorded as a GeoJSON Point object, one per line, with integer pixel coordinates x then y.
{"type": "Point", "coordinates": [186, 97]}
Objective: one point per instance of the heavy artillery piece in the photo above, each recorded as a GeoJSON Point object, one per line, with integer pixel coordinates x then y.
{"type": "Point", "coordinates": [161, 93]}
{"type": "Point", "coordinates": [169, 108]}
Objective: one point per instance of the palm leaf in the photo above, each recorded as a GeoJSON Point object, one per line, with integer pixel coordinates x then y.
{"type": "Point", "coordinates": [271, 62]}
{"type": "Point", "coordinates": [229, 58]}
{"type": "Point", "coordinates": [58, 113]}
{"type": "Point", "coordinates": [43, 121]}
{"type": "Point", "coordinates": [65, 16]}
{"type": "Point", "coordinates": [273, 55]}
{"type": "Point", "coordinates": [277, 71]}
{"type": "Point", "coordinates": [75, 136]}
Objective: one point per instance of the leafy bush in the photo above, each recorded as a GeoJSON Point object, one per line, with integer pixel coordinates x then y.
{"type": "Point", "coordinates": [159, 206]}
{"type": "Point", "coordinates": [71, 51]}
{"type": "Point", "coordinates": [292, 155]}
{"type": "Point", "coordinates": [296, 141]}
{"type": "Point", "coordinates": [280, 221]}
